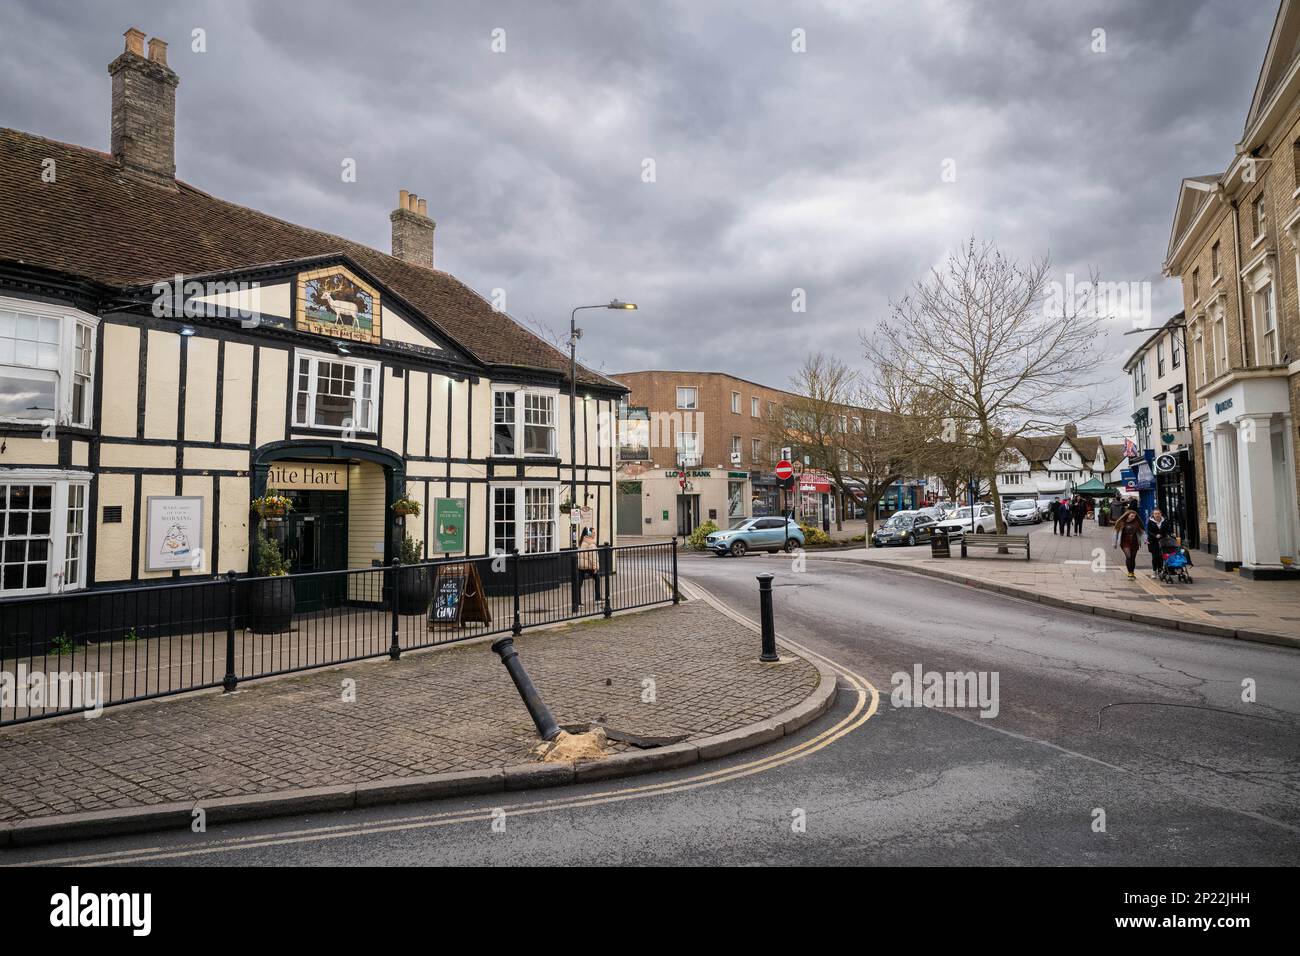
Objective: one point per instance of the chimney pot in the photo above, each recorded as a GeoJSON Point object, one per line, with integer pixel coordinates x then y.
{"type": "Point", "coordinates": [144, 109]}
{"type": "Point", "coordinates": [412, 230]}
{"type": "Point", "coordinates": [134, 41]}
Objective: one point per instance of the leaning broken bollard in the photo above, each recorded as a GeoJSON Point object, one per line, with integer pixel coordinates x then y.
{"type": "Point", "coordinates": [537, 709]}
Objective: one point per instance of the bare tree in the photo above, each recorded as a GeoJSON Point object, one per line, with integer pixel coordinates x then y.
{"type": "Point", "coordinates": [897, 438]}
{"type": "Point", "coordinates": [816, 420]}
{"type": "Point", "coordinates": [999, 349]}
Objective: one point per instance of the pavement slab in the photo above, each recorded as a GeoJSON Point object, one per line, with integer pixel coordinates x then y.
{"type": "Point", "coordinates": [683, 670]}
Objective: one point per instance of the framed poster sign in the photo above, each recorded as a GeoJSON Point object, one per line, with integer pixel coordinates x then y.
{"type": "Point", "coordinates": [449, 522]}
{"type": "Point", "coordinates": [173, 533]}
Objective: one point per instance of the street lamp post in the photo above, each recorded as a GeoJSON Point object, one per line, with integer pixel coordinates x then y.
{"type": "Point", "coordinates": [574, 334]}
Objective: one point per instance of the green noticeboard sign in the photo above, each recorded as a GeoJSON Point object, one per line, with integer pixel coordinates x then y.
{"type": "Point", "coordinates": [449, 523]}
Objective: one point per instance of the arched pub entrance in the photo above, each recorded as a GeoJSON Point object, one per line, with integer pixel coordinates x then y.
{"type": "Point", "coordinates": [342, 517]}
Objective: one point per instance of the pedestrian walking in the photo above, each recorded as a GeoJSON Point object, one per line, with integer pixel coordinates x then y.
{"type": "Point", "coordinates": [1079, 509]}
{"type": "Point", "coordinates": [588, 563]}
{"type": "Point", "coordinates": [1128, 536]}
{"type": "Point", "coordinates": [1053, 511]}
{"type": "Point", "coordinates": [1160, 531]}
{"type": "Point", "coordinates": [1067, 519]}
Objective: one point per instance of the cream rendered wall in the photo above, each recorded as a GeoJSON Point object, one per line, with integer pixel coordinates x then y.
{"type": "Point", "coordinates": [481, 399]}
{"type": "Point", "coordinates": [417, 418]}
{"type": "Point", "coordinates": [438, 416]}
{"type": "Point", "coordinates": [399, 330]}
{"type": "Point", "coordinates": [237, 388]}
{"type": "Point", "coordinates": [121, 349]}
{"type": "Point", "coordinates": [162, 385]}
{"type": "Point", "coordinates": [200, 389]}
{"type": "Point", "coordinates": [460, 420]}
{"type": "Point", "coordinates": [272, 394]}
{"type": "Point", "coordinates": [233, 550]}
{"type": "Point", "coordinates": [365, 514]}
{"type": "Point", "coordinates": [29, 451]}
{"type": "Point", "coordinates": [390, 431]}
{"type": "Point", "coordinates": [113, 541]}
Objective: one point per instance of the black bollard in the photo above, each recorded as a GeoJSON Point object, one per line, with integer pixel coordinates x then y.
{"type": "Point", "coordinates": [769, 654]}
{"type": "Point", "coordinates": [537, 709]}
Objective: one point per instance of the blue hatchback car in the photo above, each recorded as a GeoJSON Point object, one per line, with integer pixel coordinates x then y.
{"type": "Point", "coordinates": [756, 534]}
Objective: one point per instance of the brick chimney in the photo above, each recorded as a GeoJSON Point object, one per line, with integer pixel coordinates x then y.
{"type": "Point", "coordinates": [412, 230]}
{"type": "Point", "coordinates": [1072, 432]}
{"type": "Point", "coordinates": [144, 109]}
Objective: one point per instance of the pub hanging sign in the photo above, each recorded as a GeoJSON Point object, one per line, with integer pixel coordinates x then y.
{"type": "Point", "coordinates": [334, 302]}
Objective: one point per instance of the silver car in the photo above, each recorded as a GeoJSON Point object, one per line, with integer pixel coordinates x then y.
{"type": "Point", "coordinates": [1024, 511]}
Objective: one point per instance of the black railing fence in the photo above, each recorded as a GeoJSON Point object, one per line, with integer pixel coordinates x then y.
{"type": "Point", "coordinates": [84, 650]}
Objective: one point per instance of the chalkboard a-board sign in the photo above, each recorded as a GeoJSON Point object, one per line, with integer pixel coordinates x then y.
{"type": "Point", "coordinates": [458, 597]}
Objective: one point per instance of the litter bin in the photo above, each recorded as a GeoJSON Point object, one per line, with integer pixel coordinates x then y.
{"type": "Point", "coordinates": [939, 544]}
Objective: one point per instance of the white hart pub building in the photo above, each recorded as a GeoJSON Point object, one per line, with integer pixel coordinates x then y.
{"type": "Point", "coordinates": [166, 357]}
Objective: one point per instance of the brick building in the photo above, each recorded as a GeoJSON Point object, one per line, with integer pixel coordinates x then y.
{"type": "Point", "coordinates": [713, 431]}
{"type": "Point", "coordinates": [1235, 244]}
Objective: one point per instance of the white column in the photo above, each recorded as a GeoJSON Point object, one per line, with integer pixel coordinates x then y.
{"type": "Point", "coordinates": [1227, 510]}
{"type": "Point", "coordinates": [1258, 495]}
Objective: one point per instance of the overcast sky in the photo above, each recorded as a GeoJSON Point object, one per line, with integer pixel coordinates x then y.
{"type": "Point", "coordinates": [773, 169]}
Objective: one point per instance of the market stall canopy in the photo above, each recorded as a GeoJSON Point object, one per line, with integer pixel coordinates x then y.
{"type": "Point", "coordinates": [1093, 486]}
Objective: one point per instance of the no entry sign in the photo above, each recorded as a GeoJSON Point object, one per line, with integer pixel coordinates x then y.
{"type": "Point", "coordinates": [784, 470]}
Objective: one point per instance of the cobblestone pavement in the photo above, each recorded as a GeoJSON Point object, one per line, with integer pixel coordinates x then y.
{"type": "Point", "coordinates": [1070, 569]}
{"type": "Point", "coordinates": [450, 709]}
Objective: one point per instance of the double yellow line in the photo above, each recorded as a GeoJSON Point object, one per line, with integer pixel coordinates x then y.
{"type": "Point", "coordinates": [865, 705]}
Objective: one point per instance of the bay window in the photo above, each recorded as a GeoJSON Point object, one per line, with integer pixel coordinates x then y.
{"type": "Point", "coordinates": [42, 532]}
{"type": "Point", "coordinates": [46, 364]}
{"type": "Point", "coordinates": [523, 423]}
{"type": "Point", "coordinates": [525, 517]}
{"type": "Point", "coordinates": [335, 393]}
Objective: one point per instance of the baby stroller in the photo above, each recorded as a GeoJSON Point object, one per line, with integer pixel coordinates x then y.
{"type": "Point", "coordinates": [1174, 562]}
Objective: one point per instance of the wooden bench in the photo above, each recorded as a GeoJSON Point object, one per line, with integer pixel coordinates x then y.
{"type": "Point", "coordinates": [1005, 543]}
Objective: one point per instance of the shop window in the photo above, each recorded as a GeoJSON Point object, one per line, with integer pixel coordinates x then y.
{"type": "Point", "coordinates": [42, 536]}
{"type": "Point", "coordinates": [335, 393]}
{"type": "Point", "coordinates": [736, 500]}
{"type": "Point", "coordinates": [517, 412]}
{"type": "Point", "coordinates": [46, 365]}
{"type": "Point", "coordinates": [525, 518]}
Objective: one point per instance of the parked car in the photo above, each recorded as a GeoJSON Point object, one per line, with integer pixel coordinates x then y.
{"type": "Point", "coordinates": [904, 527]}
{"type": "Point", "coordinates": [1024, 511]}
{"type": "Point", "coordinates": [960, 521]}
{"type": "Point", "coordinates": [756, 534]}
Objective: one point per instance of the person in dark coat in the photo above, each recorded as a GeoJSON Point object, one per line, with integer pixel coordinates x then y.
{"type": "Point", "coordinates": [1066, 519]}
{"type": "Point", "coordinates": [1128, 536]}
{"type": "Point", "coordinates": [1079, 510]}
{"type": "Point", "coordinates": [1160, 531]}
{"type": "Point", "coordinates": [1053, 509]}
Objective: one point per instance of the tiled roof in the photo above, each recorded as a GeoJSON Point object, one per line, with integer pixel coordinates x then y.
{"type": "Point", "coordinates": [96, 224]}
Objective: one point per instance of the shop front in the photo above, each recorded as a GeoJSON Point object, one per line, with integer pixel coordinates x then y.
{"type": "Point", "coordinates": [1248, 434]}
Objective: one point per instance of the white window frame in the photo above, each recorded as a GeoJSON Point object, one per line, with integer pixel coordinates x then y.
{"type": "Point", "coordinates": [695, 397]}
{"type": "Point", "coordinates": [64, 376]}
{"type": "Point", "coordinates": [1264, 306]}
{"type": "Point", "coordinates": [315, 358]}
{"type": "Point", "coordinates": [60, 483]}
{"type": "Point", "coordinates": [735, 403]}
{"type": "Point", "coordinates": [521, 423]}
{"type": "Point", "coordinates": [1219, 341]}
{"type": "Point", "coordinates": [520, 491]}
{"type": "Point", "coordinates": [755, 407]}
{"type": "Point", "coordinates": [679, 445]}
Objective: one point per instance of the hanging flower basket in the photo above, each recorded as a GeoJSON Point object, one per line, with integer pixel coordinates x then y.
{"type": "Point", "coordinates": [405, 506]}
{"type": "Point", "coordinates": [272, 506]}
